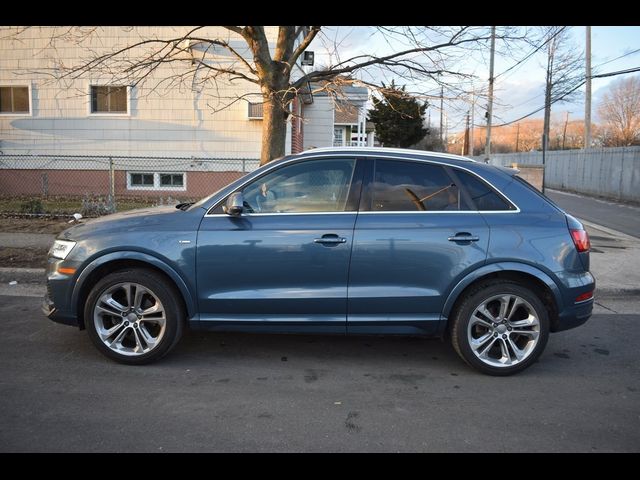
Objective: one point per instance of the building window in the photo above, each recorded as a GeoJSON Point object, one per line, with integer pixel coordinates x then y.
{"type": "Point", "coordinates": [171, 179]}
{"type": "Point", "coordinates": [109, 99]}
{"type": "Point", "coordinates": [15, 100]}
{"type": "Point", "coordinates": [142, 180]}
{"type": "Point", "coordinates": [156, 181]}
{"type": "Point", "coordinates": [255, 111]}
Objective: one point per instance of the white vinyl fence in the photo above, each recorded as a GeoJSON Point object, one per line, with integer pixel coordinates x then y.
{"type": "Point", "coordinates": [606, 172]}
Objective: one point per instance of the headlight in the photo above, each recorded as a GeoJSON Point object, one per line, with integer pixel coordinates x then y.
{"type": "Point", "coordinates": [61, 248]}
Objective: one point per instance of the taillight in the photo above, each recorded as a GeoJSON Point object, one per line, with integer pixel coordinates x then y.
{"type": "Point", "coordinates": [583, 297]}
{"type": "Point", "coordinates": [581, 240]}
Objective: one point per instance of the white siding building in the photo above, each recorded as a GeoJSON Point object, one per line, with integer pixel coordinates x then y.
{"type": "Point", "coordinates": [96, 131]}
{"type": "Point", "coordinates": [158, 119]}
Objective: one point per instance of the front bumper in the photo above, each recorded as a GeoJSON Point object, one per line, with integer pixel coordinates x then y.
{"type": "Point", "coordinates": [56, 303]}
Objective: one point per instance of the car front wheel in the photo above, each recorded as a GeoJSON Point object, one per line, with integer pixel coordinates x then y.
{"type": "Point", "coordinates": [500, 327]}
{"type": "Point", "coordinates": [133, 316]}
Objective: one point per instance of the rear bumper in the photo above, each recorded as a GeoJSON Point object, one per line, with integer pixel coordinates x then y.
{"type": "Point", "coordinates": [574, 313]}
{"type": "Point", "coordinates": [574, 316]}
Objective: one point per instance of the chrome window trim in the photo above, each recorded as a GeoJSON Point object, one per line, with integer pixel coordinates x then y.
{"type": "Point", "coordinates": [355, 155]}
{"type": "Point", "coordinates": [270, 214]}
{"type": "Point", "coordinates": [412, 212]}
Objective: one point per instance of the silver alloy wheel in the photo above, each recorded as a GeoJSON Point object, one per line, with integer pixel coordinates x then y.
{"type": "Point", "coordinates": [129, 319]}
{"type": "Point", "coordinates": [503, 330]}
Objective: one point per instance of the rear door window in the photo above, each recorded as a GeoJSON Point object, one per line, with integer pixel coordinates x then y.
{"type": "Point", "coordinates": [400, 186]}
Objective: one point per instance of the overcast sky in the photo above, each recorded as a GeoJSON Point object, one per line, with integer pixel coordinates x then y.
{"type": "Point", "coordinates": [521, 90]}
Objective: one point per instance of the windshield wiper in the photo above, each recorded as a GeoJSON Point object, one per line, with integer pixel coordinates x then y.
{"type": "Point", "coordinates": [185, 205]}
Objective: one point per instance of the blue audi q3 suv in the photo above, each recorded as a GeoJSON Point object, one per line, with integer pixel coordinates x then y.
{"type": "Point", "coordinates": [334, 241]}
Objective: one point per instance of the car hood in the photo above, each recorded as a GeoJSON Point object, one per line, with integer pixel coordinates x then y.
{"type": "Point", "coordinates": [131, 220]}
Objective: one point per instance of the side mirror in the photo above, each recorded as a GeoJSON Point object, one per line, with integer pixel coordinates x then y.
{"type": "Point", "coordinates": [235, 204]}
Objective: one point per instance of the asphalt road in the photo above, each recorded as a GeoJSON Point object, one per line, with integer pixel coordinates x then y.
{"type": "Point", "coordinates": [271, 393]}
{"type": "Point", "coordinates": [618, 216]}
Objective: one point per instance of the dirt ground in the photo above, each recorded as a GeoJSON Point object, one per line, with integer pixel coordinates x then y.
{"type": "Point", "coordinates": [33, 225]}
{"type": "Point", "coordinates": [23, 257]}
{"type": "Point", "coordinates": [28, 257]}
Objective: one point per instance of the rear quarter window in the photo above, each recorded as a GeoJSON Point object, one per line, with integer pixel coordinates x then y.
{"type": "Point", "coordinates": [484, 197]}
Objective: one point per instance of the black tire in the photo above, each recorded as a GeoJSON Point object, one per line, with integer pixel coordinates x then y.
{"type": "Point", "coordinates": [464, 328]}
{"type": "Point", "coordinates": [158, 287]}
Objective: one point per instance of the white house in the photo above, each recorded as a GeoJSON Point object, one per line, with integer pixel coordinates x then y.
{"type": "Point", "coordinates": [168, 134]}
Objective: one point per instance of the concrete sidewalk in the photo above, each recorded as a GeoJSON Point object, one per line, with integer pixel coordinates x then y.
{"type": "Point", "coordinates": [615, 260]}
{"type": "Point", "coordinates": [23, 239]}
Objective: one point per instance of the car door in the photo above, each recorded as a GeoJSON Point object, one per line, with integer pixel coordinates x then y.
{"type": "Point", "coordinates": [281, 265]}
{"type": "Point", "coordinates": [416, 235]}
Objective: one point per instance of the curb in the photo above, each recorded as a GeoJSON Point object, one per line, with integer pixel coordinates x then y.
{"type": "Point", "coordinates": [616, 292]}
{"type": "Point", "coordinates": [610, 231]}
{"type": "Point", "coordinates": [23, 271]}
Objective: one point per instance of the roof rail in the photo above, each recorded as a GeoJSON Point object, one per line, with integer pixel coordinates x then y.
{"type": "Point", "coordinates": [423, 153]}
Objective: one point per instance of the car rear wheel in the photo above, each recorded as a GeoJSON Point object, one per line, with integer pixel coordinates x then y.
{"type": "Point", "coordinates": [134, 316]}
{"type": "Point", "coordinates": [500, 327]}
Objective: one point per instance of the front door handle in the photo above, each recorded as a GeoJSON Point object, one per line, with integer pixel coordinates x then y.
{"type": "Point", "coordinates": [330, 239]}
{"type": "Point", "coordinates": [463, 237]}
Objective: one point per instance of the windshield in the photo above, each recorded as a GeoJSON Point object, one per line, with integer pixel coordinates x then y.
{"type": "Point", "coordinates": [202, 202]}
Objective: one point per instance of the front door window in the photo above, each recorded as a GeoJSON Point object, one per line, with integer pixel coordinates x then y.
{"type": "Point", "coordinates": [312, 186]}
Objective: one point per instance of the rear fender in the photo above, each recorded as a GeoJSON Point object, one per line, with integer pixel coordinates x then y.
{"type": "Point", "coordinates": [505, 267]}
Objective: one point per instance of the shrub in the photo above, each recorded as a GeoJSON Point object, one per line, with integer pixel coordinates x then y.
{"type": "Point", "coordinates": [33, 205]}
{"type": "Point", "coordinates": [95, 206]}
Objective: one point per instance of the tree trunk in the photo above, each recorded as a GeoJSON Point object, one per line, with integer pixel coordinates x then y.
{"type": "Point", "coordinates": [274, 128]}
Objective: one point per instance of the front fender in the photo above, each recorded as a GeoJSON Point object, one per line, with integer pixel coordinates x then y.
{"type": "Point", "coordinates": [141, 257]}
{"type": "Point", "coordinates": [501, 267]}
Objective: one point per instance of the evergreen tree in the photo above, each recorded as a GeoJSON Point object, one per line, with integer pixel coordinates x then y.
{"type": "Point", "coordinates": [398, 118]}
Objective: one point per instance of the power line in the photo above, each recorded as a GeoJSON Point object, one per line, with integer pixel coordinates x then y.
{"type": "Point", "coordinates": [619, 72]}
{"type": "Point", "coordinates": [618, 58]}
{"type": "Point", "coordinates": [533, 52]}
{"type": "Point", "coordinates": [593, 76]}
{"type": "Point", "coordinates": [601, 75]}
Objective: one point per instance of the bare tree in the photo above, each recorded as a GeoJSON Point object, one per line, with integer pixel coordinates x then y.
{"type": "Point", "coordinates": [267, 58]}
{"type": "Point", "coordinates": [620, 111]}
{"type": "Point", "coordinates": [563, 71]}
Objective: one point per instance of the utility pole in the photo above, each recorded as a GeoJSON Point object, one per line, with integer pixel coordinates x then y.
{"type": "Point", "coordinates": [544, 157]}
{"type": "Point", "coordinates": [587, 99]}
{"type": "Point", "coordinates": [465, 140]}
{"type": "Point", "coordinates": [564, 132]}
{"type": "Point", "coordinates": [473, 107]}
{"type": "Point", "coordinates": [487, 147]}
{"type": "Point", "coordinates": [446, 133]}
{"type": "Point", "coordinates": [517, 136]}
{"type": "Point", "coordinates": [441, 116]}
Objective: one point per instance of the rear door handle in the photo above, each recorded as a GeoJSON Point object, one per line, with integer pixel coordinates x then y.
{"type": "Point", "coordinates": [330, 239]}
{"type": "Point", "coordinates": [463, 237]}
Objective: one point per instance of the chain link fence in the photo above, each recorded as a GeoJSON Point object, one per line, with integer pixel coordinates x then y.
{"type": "Point", "coordinates": [97, 185]}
